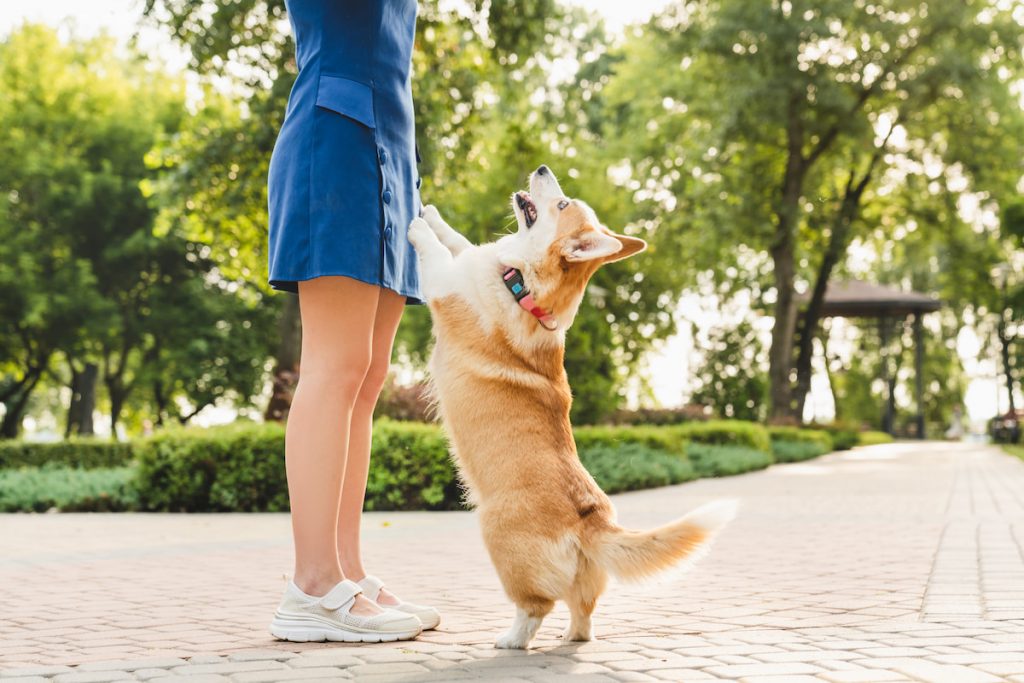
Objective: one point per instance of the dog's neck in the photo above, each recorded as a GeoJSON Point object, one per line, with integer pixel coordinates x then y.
{"type": "Point", "coordinates": [516, 285]}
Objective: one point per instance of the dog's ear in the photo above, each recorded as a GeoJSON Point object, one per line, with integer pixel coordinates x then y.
{"type": "Point", "coordinates": [590, 244]}
{"type": "Point", "coordinates": [630, 246]}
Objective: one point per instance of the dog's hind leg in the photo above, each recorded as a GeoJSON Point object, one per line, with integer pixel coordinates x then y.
{"type": "Point", "coordinates": [528, 620]}
{"type": "Point", "coordinates": [582, 598]}
{"type": "Point", "coordinates": [448, 235]}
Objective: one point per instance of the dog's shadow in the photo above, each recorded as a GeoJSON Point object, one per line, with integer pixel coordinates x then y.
{"type": "Point", "coordinates": [547, 660]}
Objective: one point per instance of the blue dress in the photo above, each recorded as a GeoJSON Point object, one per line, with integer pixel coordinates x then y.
{"type": "Point", "coordinates": [343, 183]}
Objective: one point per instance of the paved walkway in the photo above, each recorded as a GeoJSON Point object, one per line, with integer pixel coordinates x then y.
{"type": "Point", "coordinates": [890, 563]}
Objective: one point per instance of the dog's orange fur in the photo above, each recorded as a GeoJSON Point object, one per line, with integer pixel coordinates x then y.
{"type": "Point", "coordinates": [548, 527]}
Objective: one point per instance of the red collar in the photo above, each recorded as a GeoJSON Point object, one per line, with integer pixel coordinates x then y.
{"type": "Point", "coordinates": [513, 280]}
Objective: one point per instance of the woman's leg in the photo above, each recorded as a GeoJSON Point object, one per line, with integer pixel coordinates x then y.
{"type": "Point", "coordinates": [389, 312]}
{"type": "Point", "coordinates": [337, 332]}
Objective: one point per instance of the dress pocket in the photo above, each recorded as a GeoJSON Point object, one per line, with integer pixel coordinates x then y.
{"type": "Point", "coordinates": [346, 97]}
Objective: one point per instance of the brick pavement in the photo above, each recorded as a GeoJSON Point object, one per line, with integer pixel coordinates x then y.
{"type": "Point", "coordinates": [889, 563]}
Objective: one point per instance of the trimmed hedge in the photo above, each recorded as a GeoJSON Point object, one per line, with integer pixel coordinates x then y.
{"type": "Point", "coordinates": [844, 435]}
{"type": "Point", "coordinates": [410, 469]}
{"type": "Point", "coordinates": [241, 467]}
{"type": "Point", "coordinates": [634, 466]}
{"type": "Point", "coordinates": [726, 433]}
{"type": "Point", "coordinates": [795, 451]}
{"type": "Point", "coordinates": [820, 437]}
{"type": "Point", "coordinates": [238, 467]}
{"type": "Point", "coordinates": [793, 444]}
{"type": "Point", "coordinates": [71, 452]}
{"type": "Point", "coordinates": [70, 489]}
{"type": "Point", "coordinates": [658, 438]}
{"type": "Point", "coordinates": [711, 460]}
{"type": "Point", "coordinates": [871, 438]}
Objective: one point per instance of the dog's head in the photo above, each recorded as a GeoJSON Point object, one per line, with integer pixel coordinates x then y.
{"type": "Point", "coordinates": [560, 244]}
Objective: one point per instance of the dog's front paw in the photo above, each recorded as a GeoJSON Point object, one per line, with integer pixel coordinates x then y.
{"type": "Point", "coordinates": [513, 640]}
{"type": "Point", "coordinates": [431, 214]}
{"type": "Point", "coordinates": [419, 233]}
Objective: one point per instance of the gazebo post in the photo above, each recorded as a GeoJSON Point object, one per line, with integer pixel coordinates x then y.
{"type": "Point", "coordinates": [919, 372]}
{"type": "Point", "coordinates": [887, 412]}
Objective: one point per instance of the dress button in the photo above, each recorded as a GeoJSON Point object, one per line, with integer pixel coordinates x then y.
{"type": "Point", "coordinates": [387, 196]}
{"type": "Point", "coordinates": [418, 182]}
{"type": "Point", "coordinates": [387, 229]}
{"type": "Point", "coordinates": [383, 156]}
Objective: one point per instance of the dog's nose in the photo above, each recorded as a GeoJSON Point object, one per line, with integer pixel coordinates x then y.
{"type": "Point", "coordinates": [542, 170]}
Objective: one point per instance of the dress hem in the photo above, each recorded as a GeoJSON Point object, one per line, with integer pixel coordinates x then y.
{"type": "Point", "coordinates": [291, 286]}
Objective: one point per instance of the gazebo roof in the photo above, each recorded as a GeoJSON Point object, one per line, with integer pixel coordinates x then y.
{"type": "Point", "coordinates": [856, 299]}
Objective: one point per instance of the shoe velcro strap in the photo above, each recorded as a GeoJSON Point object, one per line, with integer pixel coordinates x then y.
{"type": "Point", "coordinates": [371, 586]}
{"type": "Point", "coordinates": [341, 594]}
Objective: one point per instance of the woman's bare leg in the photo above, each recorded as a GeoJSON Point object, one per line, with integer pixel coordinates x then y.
{"type": "Point", "coordinates": [337, 332]}
{"type": "Point", "coordinates": [389, 312]}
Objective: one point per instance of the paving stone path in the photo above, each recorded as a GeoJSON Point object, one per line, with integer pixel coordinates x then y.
{"type": "Point", "coordinates": [889, 563]}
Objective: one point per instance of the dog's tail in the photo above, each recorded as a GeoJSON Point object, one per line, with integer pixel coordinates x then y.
{"type": "Point", "coordinates": [631, 555]}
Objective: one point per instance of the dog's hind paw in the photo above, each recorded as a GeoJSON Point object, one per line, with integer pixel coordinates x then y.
{"type": "Point", "coordinates": [576, 635]}
{"type": "Point", "coordinates": [511, 641]}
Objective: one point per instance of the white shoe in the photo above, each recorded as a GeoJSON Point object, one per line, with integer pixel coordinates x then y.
{"type": "Point", "coordinates": [429, 616]}
{"type": "Point", "coordinates": [302, 618]}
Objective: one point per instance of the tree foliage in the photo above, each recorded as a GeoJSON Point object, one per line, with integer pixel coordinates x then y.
{"type": "Point", "coordinates": [87, 281]}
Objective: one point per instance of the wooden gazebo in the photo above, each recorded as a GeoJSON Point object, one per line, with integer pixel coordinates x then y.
{"type": "Point", "coordinates": [856, 299]}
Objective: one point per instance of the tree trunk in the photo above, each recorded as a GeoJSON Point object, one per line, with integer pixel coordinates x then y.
{"type": "Point", "coordinates": [780, 356]}
{"type": "Point", "coordinates": [286, 370]}
{"type": "Point", "coordinates": [826, 333]}
{"type": "Point", "coordinates": [160, 401]}
{"type": "Point", "coordinates": [1004, 343]}
{"type": "Point", "coordinates": [117, 399]}
{"type": "Point", "coordinates": [842, 224]}
{"type": "Point", "coordinates": [15, 403]}
{"type": "Point", "coordinates": [83, 400]}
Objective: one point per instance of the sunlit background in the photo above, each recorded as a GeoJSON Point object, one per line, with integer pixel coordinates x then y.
{"type": "Point", "coordinates": [665, 375]}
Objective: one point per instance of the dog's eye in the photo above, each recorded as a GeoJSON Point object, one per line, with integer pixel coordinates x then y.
{"type": "Point", "coordinates": [562, 204]}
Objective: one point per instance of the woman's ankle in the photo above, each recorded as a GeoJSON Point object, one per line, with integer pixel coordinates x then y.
{"type": "Point", "coordinates": [352, 569]}
{"type": "Point", "coordinates": [318, 582]}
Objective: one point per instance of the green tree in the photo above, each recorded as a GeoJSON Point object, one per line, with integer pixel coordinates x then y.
{"type": "Point", "coordinates": [92, 285]}
{"type": "Point", "coordinates": [732, 379]}
{"type": "Point", "coordinates": [770, 125]}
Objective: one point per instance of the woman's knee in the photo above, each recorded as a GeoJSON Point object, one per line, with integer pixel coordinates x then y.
{"type": "Point", "coordinates": [373, 382]}
{"type": "Point", "coordinates": [339, 379]}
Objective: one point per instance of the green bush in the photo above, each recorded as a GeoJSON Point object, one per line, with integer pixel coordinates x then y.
{"type": "Point", "coordinates": [70, 489]}
{"type": "Point", "coordinates": [820, 437]}
{"type": "Point", "coordinates": [871, 438]}
{"type": "Point", "coordinates": [659, 438]}
{"type": "Point", "coordinates": [726, 433]}
{"type": "Point", "coordinates": [844, 435]}
{"type": "Point", "coordinates": [633, 466]}
{"type": "Point", "coordinates": [72, 452]}
{"type": "Point", "coordinates": [237, 467]}
{"type": "Point", "coordinates": [410, 469]}
{"type": "Point", "coordinates": [795, 451]}
{"type": "Point", "coordinates": [241, 467]}
{"type": "Point", "coordinates": [711, 460]}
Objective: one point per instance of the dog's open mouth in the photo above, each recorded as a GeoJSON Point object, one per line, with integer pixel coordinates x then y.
{"type": "Point", "coordinates": [528, 208]}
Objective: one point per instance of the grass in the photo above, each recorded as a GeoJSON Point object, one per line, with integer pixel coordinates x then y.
{"type": "Point", "coordinates": [1014, 449]}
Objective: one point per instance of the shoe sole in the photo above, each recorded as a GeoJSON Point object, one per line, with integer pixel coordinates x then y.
{"type": "Point", "coordinates": [299, 631]}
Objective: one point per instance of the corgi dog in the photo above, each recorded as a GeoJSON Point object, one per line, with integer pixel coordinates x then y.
{"type": "Point", "coordinates": [500, 312]}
